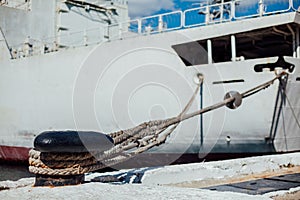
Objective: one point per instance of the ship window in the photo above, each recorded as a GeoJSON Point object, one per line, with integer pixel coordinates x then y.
{"type": "Point", "coordinates": [261, 43]}
{"type": "Point", "coordinates": [221, 49]}
{"type": "Point", "coordinates": [195, 53]}
{"type": "Point", "coordinates": [192, 53]}
{"type": "Point", "coordinates": [269, 42]}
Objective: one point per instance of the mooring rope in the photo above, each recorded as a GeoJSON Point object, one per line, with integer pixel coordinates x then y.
{"type": "Point", "coordinates": [128, 143]}
{"type": "Point", "coordinates": [291, 107]}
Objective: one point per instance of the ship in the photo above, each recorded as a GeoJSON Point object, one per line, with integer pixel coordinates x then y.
{"type": "Point", "coordinates": [85, 65]}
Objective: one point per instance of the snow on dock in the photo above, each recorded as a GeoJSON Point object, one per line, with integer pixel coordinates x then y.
{"type": "Point", "coordinates": [171, 182]}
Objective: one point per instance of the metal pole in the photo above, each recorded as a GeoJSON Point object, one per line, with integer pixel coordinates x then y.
{"type": "Point", "coordinates": [85, 37]}
{"type": "Point", "coordinates": [294, 41]}
{"type": "Point", "coordinates": [297, 43]}
{"type": "Point", "coordinates": [139, 26]}
{"type": "Point", "coordinates": [201, 116]}
{"type": "Point", "coordinates": [261, 8]}
{"type": "Point", "coordinates": [233, 48]}
{"type": "Point", "coordinates": [160, 23]}
{"type": "Point", "coordinates": [120, 30]}
{"type": "Point", "coordinates": [6, 43]}
{"type": "Point", "coordinates": [221, 11]}
{"type": "Point", "coordinates": [207, 15]}
{"type": "Point", "coordinates": [209, 51]}
{"type": "Point", "coordinates": [182, 18]}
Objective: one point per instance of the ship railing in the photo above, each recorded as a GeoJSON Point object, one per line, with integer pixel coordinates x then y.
{"type": "Point", "coordinates": [194, 17]}
{"type": "Point", "coordinates": [121, 30]}
{"type": "Point", "coordinates": [18, 4]}
{"type": "Point", "coordinates": [31, 46]}
{"type": "Point", "coordinates": [160, 23]}
{"type": "Point", "coordinates": [263, 7]}
{"type": "Point", "coordinates": [204, 15]}
{"type": "Point", "coordinates": [237, 10]}
{"type": "Point", "coordinates": [146, 26]}
{"type": "Point", "coordinates": [80, 38]}
{"type": "Point", "coordinates": [295, 5]}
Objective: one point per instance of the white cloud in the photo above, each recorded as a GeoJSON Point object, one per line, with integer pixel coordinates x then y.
{"type": "Point", "coordinates": [138, 8]}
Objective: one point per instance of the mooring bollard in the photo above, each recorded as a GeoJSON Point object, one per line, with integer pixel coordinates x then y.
{"type": "Point", "coordinates": [44, 180]}
{"type": "Point", "coordinates": [61, 158]}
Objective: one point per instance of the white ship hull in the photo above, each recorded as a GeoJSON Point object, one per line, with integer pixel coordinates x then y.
{"type": "Point", "coordinates": [120, 84]}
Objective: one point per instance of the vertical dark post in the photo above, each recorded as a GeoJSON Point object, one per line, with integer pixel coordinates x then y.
{"type": "Point", "coordinates": [201, 116]}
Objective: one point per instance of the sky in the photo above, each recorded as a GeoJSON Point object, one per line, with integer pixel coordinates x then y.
{"type": "Point", "coordinates": [141, 8]}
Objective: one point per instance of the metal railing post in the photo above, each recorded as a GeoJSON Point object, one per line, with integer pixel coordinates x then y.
{"type": "Point", "coordinates": [232, 10]}
{"type": "Point", "coordinates": [207, 15]}
{"type": "Point", "coordinates": [261, 8]}
{"type": "Point", "coordinates": [107, 32]}
{"type": "Point", "coordinates": [85, 37]}
{"type": "Point", "coordinates": [160, 23]}
{"type": "Point", "coordinates": [120, 30]}
{"type": "Point", "coordinates": [139, 26]}
{"type": "Point", "coordinates": [221, 11]}
{"type": "Point", "coordinates": [182, 19]}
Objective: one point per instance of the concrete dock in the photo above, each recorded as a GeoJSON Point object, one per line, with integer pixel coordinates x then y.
{"type": "Point", "coordinates": [265, 177]}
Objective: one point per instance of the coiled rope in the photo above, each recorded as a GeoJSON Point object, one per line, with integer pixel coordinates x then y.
{"type": "Point", "coordinates": [127, 143]}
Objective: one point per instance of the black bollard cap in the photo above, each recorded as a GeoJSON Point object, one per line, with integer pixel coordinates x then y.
{"type": "Point", "coordinates": [72, 141]}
